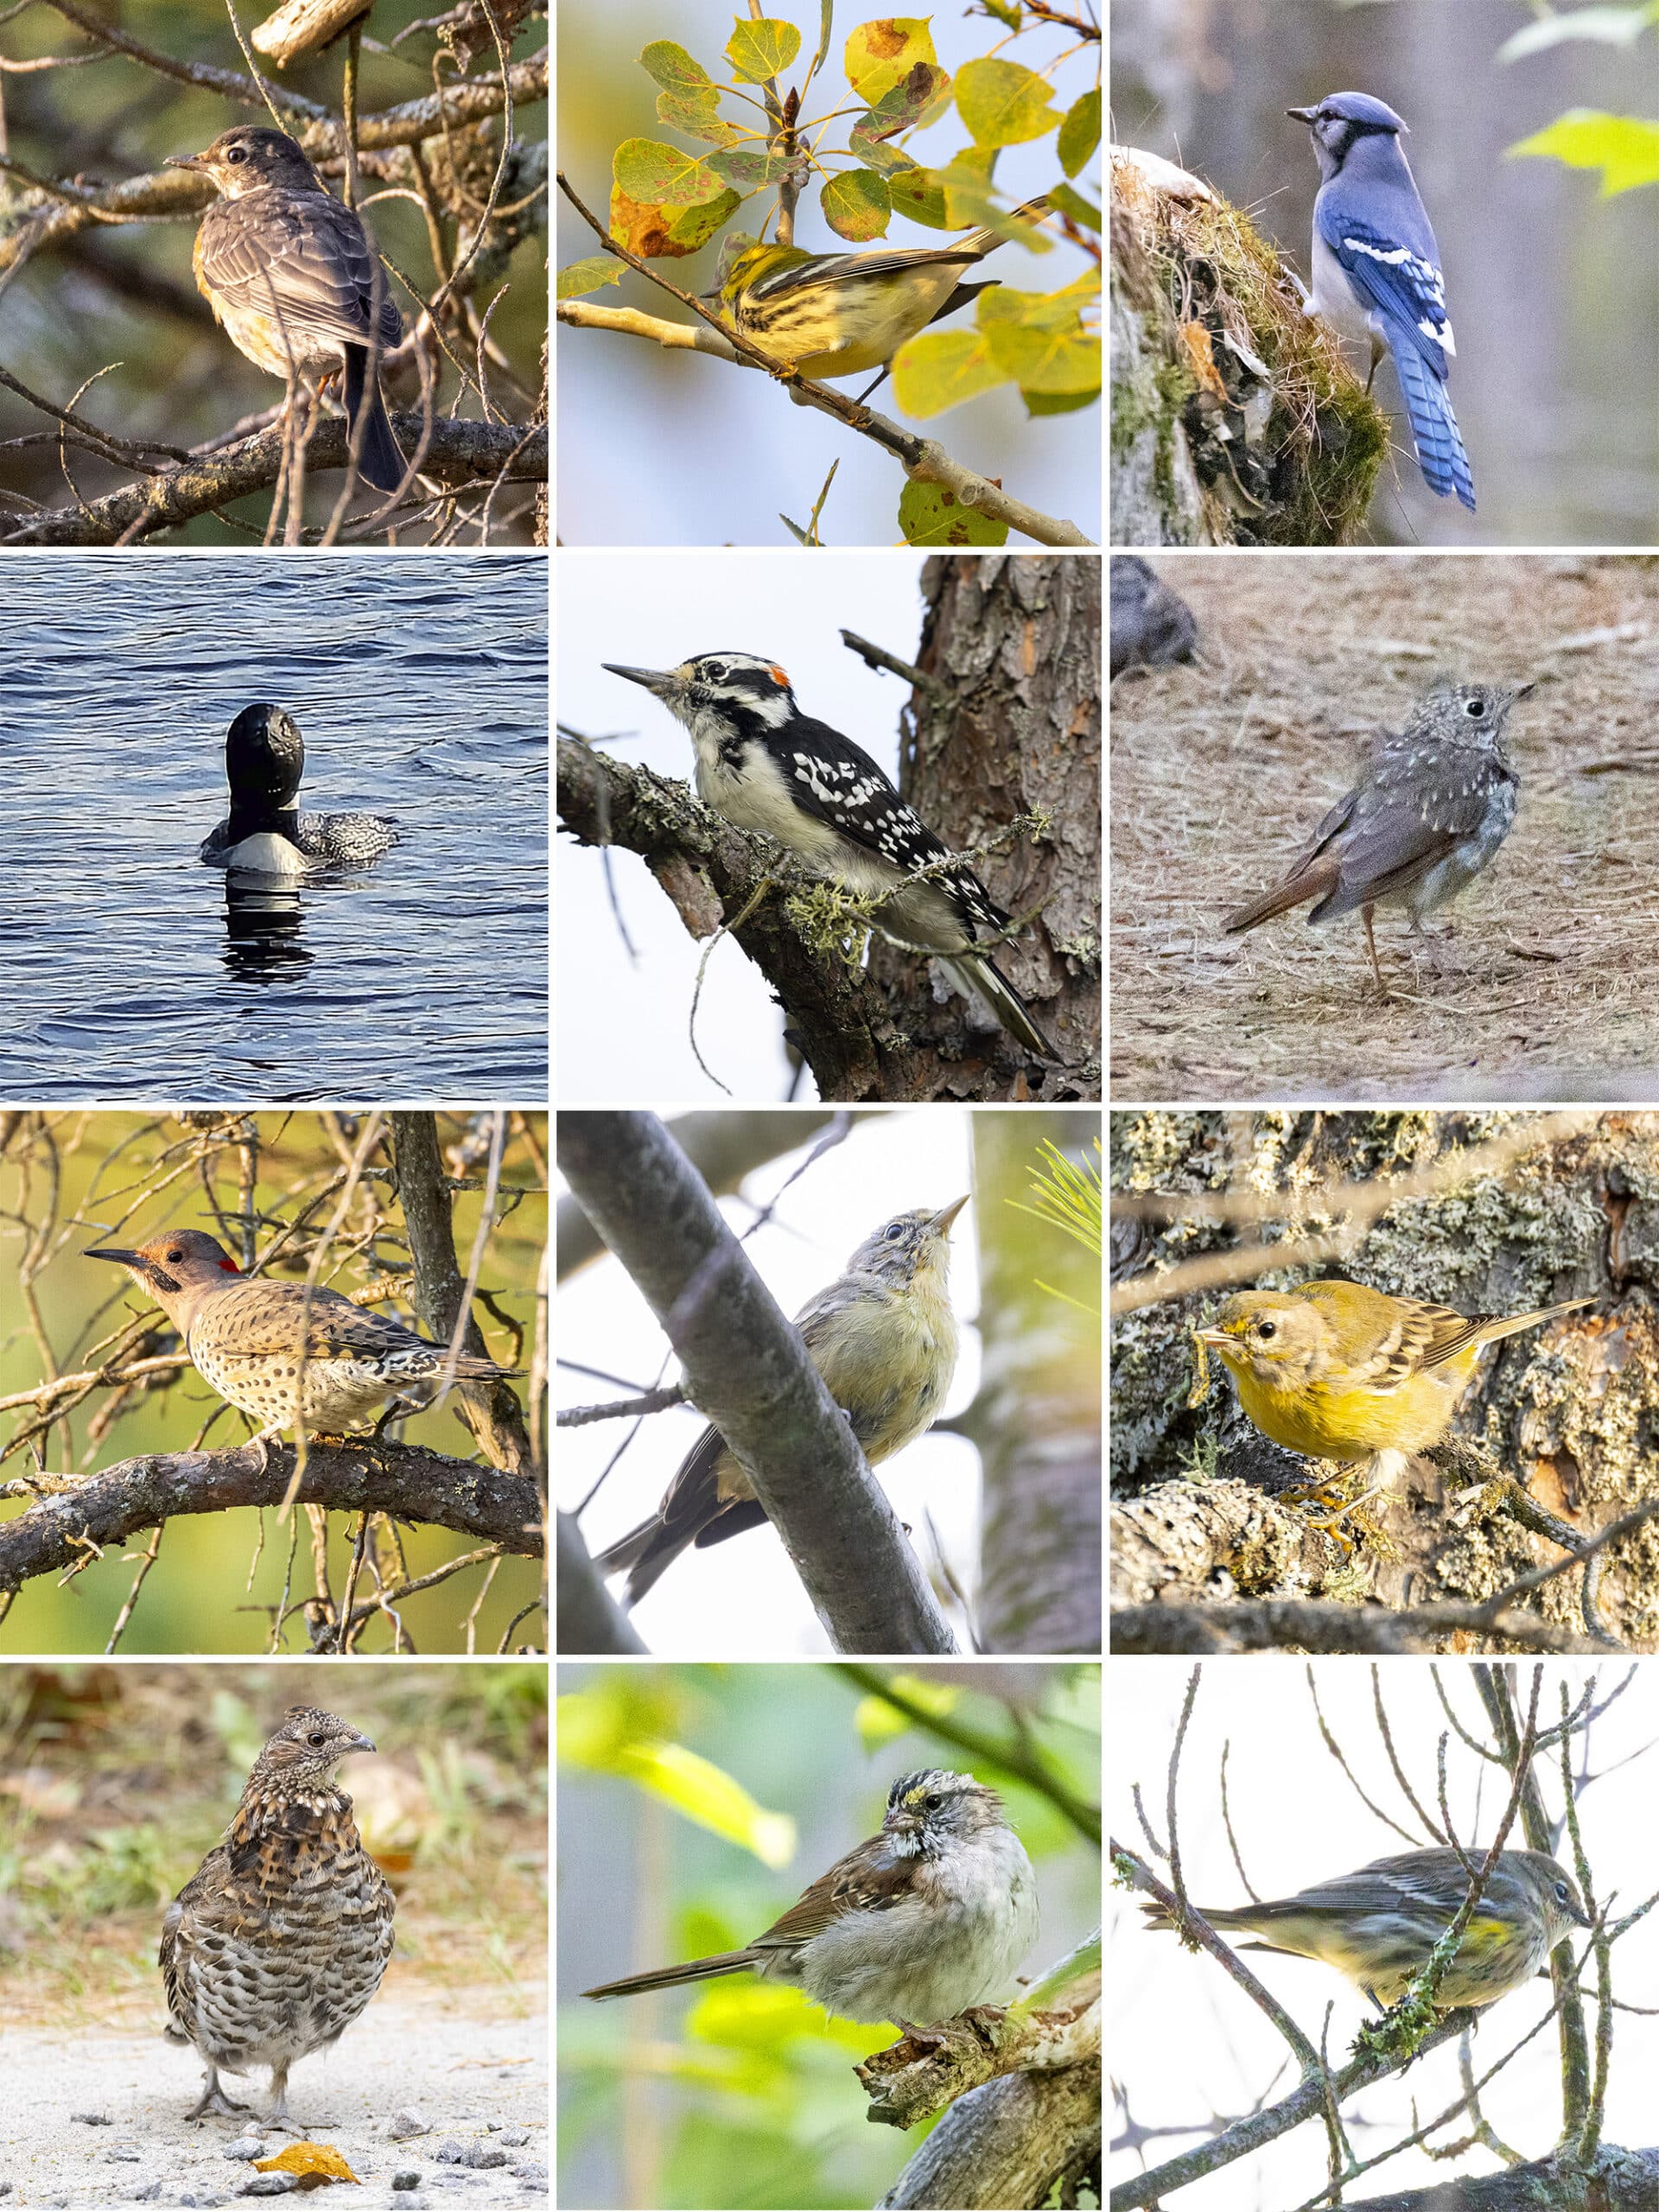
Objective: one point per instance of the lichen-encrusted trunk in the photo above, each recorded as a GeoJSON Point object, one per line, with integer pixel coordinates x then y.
{"type": "Point", "coordinates": [1037, 1415]}
{"type": "Point", "coordinates": [1571, 1412]}
{"type": "Point", "coordinates": [1014, 642]}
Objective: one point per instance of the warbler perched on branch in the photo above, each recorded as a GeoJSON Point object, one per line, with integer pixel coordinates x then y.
{"type": "Point", "coordinates": [884, 1338]}
{"type": "Point", "coordinates": [832, 315]}
{"type": "Point", "coordinates": [1337, 1371]}
{"type": "Point", "coordinates": [1378, 1924]}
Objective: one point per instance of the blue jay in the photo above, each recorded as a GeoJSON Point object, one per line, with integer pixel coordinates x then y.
{"type": "Point", "coordinates": [1377, 270]}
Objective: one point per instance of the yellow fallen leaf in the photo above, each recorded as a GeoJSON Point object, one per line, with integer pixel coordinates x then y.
{"type": "Point", "coordinates": [318, 2162]}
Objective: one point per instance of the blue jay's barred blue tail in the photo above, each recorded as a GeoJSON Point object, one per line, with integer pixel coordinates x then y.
{"type": "Point", "coordinates": [1434, 427]}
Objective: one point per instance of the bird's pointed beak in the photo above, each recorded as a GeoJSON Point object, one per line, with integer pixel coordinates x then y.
{"type": "Point", "coordinates": [122, 1259]}
{"type": "Point", "coordinates": [183, 161]}
{"type": "Point", "coordinates": [1301, 114]}
{"type": "Point", "coordinates": [1217, 1339]}
{"type": "Point", "coordinates": [942, 1220]}
{"type": "Point", "coordinates": [362, 1744]}
{"type": "Point", "coordinates": [657, 681]}
{"type": "Point", "coordinates": [1522, 690]}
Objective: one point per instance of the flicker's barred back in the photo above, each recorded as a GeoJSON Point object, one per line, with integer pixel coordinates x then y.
{"type": "Point", "coordinates": [277, 1942]}
{"type": "Point", "coordinates": [253, 1341]}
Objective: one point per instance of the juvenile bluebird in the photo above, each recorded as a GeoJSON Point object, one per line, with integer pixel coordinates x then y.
{"type": "Point", "coordinates": [1376, 271]}
{"type": "Point", "coordinates": [1432, 805]}
{"type": "Point", "coordinates": [291, 274]}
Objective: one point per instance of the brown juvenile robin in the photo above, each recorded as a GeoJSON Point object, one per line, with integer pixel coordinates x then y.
{"type": "Point", "coordinates": [278, 1940]}
{"type": "Point", "coordinates": [291, 274]}
{"type": "Point", "coordinates": [1431, 806]}
{"type": "Point", "coordinates": [250, 1339]}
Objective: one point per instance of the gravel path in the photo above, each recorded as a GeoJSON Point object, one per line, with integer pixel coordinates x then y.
{"type": "Point", "coordinates": [99, 2118]}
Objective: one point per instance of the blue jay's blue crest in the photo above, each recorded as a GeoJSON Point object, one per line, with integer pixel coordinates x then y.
{"type": "Point", "coordinates": [1376, 269]}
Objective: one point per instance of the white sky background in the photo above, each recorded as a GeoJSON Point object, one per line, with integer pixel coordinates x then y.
{"type": "Point", "coordinates": [1188, 2044]}
{"type": "Point", "coordinates": [622, 1029]}
{"type": "Point", "coordinates": [741, 1599]}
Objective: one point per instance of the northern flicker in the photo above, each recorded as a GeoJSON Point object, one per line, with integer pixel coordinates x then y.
{"type": "Point", "coordinates": [278, 1940]}
{"type": "Point", "coordinates": [258, 1345]}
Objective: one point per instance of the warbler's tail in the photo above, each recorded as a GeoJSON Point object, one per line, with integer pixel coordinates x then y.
{"type": "Point", "coordinates": [981, 241]}
{"type": "Point", "coordinates": [976, 974]}
{"type": "Point", "coordinates": [1317, 880]}
{"type": "Point", "coordinates": [1493, 1331]}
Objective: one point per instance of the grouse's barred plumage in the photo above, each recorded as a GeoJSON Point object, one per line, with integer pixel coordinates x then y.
{"type": "Point", "coordinates": [279, 1940]}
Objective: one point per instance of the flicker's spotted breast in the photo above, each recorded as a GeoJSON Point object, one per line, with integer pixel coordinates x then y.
{"type": "Point", "coordinates": [278, 1941]}
{"type": "Point", "coordinates": [278, 1354]}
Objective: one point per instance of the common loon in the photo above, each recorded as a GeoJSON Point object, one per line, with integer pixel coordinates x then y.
{"type": "Point", "coordinates": [264, 833]}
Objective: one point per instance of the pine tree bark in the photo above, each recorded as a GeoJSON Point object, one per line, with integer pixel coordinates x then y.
{"type": "Point", "coordinates": [1010, 725]}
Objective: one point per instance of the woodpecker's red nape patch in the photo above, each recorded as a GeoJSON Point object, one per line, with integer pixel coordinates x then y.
{"type": "Point", "coordinates": [227, 1265]}
{"type": "Point", "coordinates": [778, 676]}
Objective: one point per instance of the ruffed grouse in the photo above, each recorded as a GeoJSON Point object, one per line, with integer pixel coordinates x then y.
{"type": "Point", "coordinates": [277, 1942]}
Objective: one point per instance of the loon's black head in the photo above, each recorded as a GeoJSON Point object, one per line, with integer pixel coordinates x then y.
{"type": "Point", "coordinates": [264, 759]}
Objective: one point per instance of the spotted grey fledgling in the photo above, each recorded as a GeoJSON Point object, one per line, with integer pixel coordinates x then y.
{"type": "Point", "coordinates": [278, 1940]}
{"type": "Point", "coordinates": [1432, 805]}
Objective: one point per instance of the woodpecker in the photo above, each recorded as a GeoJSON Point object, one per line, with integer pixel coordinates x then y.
{"type": "Point", "coordinates": [765, 765]}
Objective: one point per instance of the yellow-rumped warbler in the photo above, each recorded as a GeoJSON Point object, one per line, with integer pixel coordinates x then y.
{"type": "Point", "coordinates": [1378, 1924]}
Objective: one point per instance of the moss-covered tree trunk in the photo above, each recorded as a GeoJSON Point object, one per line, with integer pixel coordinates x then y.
{"type": "Point", "coordinates": [1010, 725]}
{"type": "Point", "coordinates": [1037, 1415]}
{"type": "Point", "coordinates": [1234, 419]}
{"type": "Point", "coordinates": [1570, 1410]}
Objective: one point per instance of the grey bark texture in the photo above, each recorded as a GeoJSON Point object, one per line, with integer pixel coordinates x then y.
{"type": "Point", "coordinates": [590, 1620]}
{"type": "Point", "coordinates": [722, 1148]}
{"type": "Point", "coordinates": [1011, 726]}
{"type": "Point", "coordinates": [1615, 2181]}
{"type": "Point", "coordinates": [1010, 2143]}
{"type": "Point", "coordinates": [1570, 1411]}
{"type": "Point", "coordinates": [1036, 1416]}
{"type": "Point", "coordinates": [747, 1370]}
{"type": "Point", "coordinates": [490, 1410]}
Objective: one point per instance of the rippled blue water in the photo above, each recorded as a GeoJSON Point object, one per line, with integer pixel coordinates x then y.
{"type": "Point", "coordinates": [126, 971]}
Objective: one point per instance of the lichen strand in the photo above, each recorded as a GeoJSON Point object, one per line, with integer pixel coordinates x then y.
{"type": "Point", "coordinates": [1284, 438]}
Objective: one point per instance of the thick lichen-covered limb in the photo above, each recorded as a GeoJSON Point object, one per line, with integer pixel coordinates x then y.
{"type": "Point", "coordinates": [1234, 419]}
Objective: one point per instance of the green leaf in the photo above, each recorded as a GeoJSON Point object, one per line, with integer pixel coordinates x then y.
{"type": "Point", "coordinates": [917, 194]}
{"type": "Point", "coordinates": [1606, 26]}
{"type": "Point", "coordinates": [668, 233]}
{"type": "Point", "coordinates": [1003, 104]}
{"type": "Point", "coordinates": [674, 69]}
{"type": "Point", "coordinates": [929, 515]}
{"type": "Point", "coordinates": [1064, 201]}
{"type": "Point", "coordinates": [857, 205]}
{"type": "Point", "coordinates": [826, 25]}
{"type": "Point", "coordinates": [697, 118]}
{"type": "Point", "coordinates": [1623, 147]}
{"type": "Point", "coordinates": [940, 369]}
{"type": "Point", "coordinates": [757, 51]}
{"type": "Point", "coordinates": [1079, 133]}
{"type": "Point", "coordinates": [746, 169]}
{"type": "Point", "coordinates": [588, 276]}
{"type": "Point", "coordinates": [879, 55]}
{"type": "Point", "coordinates": [903, 108]}
{"type": "Point", "coordinates": [1057, 402]}
{"type": "Point", "coordinates": [1006, 13]}
{"type": "Point", "coordinates": [647, 170]}
{"type": "Point", "coordinates": [708, 1796]}
{"type": "Point", "coordinates": [878, 1722]}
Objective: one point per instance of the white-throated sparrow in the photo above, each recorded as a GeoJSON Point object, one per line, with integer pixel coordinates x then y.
{"type": "Point", "coordinates": [930, 1917]}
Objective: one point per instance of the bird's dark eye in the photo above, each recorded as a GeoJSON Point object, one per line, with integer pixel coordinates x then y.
{"type": "Point", "coordinates": [1267, 1328]}
{"type": "Point", "coordinates": [175, 1255]}
{"type": "Point", "coordinates": [932, 1804]}
{"type": "Point", "coordinates": [236, 154]}
{"type": "Point", "coordinates": [316, 1739]}
{"type": "Point", "coordinates": [717, 672]}
{"type": "Point", "coordinates": [1474, 708]}
{"type": "Point", "coordinates": [1560, 1892]}
{"type": "Point", "coordinates": [893, 1231]}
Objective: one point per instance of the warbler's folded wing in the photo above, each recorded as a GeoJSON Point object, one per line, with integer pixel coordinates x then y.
{"type": "Point", "coordinates": [301, 257]}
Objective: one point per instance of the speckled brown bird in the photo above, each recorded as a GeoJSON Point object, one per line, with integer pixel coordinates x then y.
{"type": "Point", "coordinates": [291, 273]}
{"type": "Point", "coordinates": [278, 1940]}
{"type": "Point", "coordinates": [251, 1340]}
{"type": "Point", "coordinates": [1432, 805]}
